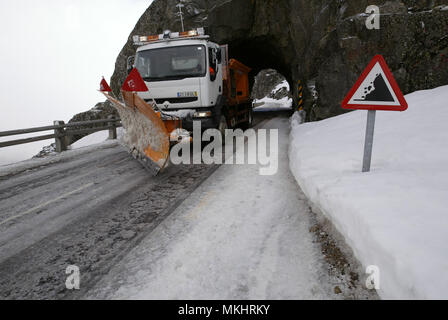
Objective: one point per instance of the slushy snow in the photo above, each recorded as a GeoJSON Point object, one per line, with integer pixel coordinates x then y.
{"type": "Point", "coordinates": [396, 216]}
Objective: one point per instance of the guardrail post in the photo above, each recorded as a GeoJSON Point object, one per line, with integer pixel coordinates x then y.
{"type": "Point", "coordinates": [60, 136]}
{"type": "Point", "coordinates": [113, 130]}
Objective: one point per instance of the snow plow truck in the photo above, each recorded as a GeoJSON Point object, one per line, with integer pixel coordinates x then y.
{"type": "Point", "coordinates": [174, 79]}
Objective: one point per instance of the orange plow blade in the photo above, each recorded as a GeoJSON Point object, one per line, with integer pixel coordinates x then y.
{"type": "Point", "coordinates": [146, 134]}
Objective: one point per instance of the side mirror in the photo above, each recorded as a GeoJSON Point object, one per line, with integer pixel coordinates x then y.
{"type": "Point", "coordinates": [213, 61]}
{"type": "Point", "coordinates": [130, 64]}
{"type": "Point", "coordinates": [219, 56]}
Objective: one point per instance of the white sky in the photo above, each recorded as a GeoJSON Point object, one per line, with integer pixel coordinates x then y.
{"type": "Point", "coordinates": [53, 54]}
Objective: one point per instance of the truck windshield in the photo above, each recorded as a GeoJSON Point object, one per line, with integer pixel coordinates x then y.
{"type": "Point", "coordinates": [172, 63]}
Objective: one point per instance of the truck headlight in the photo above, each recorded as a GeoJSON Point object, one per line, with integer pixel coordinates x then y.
{"type": "Point", "coordinates": [203, 114]}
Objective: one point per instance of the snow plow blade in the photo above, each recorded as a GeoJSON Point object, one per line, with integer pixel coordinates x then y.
{"type": "Point", "coordinates": [146, 133]}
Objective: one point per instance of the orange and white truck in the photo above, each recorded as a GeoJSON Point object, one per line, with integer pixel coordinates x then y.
{"type": "Point", "coordinates": [187, 78]}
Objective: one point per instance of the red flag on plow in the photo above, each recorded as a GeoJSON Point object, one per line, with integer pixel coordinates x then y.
{"type": "Point", "coordinates": [104, 86]}
{"type": "Point", "coordinates": [151, 145]}
{"type": "Point", "coordinates": [134, 82]}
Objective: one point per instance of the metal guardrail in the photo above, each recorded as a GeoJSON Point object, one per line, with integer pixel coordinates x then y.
{"type": "Point", "coordinates": [60, 133]}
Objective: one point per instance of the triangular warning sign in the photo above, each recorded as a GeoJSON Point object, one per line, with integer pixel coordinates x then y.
{"type": "Point", "coordinates": [376, 89]}
{"type": "Point", "coordinates": [104, 86]}
{"type": "Point", "coordinates": [134, 82]}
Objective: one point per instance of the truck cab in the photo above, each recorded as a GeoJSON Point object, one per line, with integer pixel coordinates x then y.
{"type": "Point", "coordinates": [184, 75]}
{"type": "Point", "coordinates": [192, 78]}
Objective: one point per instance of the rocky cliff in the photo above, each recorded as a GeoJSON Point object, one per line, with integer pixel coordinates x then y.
{"type": "Point", "coordinates": [266, 81]}
{"type": "Point", "coordinates": [324, 42]}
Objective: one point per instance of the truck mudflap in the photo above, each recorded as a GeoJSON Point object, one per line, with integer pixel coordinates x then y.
{"type": "Point", "coordinates": [147, 135]}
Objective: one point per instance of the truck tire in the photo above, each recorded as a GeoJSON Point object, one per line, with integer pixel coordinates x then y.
{"type": "Point", "coordinates": [223, 126]}
{"type": "Point", "coordinates": [249, 123]}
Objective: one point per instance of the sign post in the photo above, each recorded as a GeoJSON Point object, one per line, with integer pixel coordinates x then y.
{"type": "Point", "coordinates": [376, 89]}
{"type": "Point", "coordinates": [368, 146]}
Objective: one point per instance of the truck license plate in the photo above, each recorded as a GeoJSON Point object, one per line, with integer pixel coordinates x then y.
{"type": "Point", "coordinates": [187, 94]}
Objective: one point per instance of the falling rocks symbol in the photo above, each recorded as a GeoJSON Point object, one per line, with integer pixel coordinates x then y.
{"type": "Point", "coordinates": [377, 91]}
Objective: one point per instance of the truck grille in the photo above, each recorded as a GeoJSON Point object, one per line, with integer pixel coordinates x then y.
{"type": "Point", "coordinates": [174, 100]}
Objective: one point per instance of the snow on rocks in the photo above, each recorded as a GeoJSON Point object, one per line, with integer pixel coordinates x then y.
{"type": "Point", "coordinates": [394, 217]}
{"type": "Point", "coordinates": [270, 103]}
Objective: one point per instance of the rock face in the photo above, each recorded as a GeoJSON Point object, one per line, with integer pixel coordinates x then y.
{"type": "Point", "coordinates": [46, 151]}
{"type": "Point", "coordinates": [323, 42]}
{"type": "Point", "coordinates": [265, 82]}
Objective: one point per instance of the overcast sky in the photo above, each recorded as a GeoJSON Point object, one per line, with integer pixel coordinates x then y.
{"type": "Point", "coordinates": [53, 54]}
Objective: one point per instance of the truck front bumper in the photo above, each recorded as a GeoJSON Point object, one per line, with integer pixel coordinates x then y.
{"type": "Point", "coordinates": [208, 117]}
{"type": "Point", "coordinates": [206, 123]}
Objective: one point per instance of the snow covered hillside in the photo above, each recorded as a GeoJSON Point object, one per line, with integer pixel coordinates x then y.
{"type": "Point", "coordinates": [396, 216]}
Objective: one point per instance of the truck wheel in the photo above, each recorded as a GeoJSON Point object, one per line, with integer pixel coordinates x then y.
{"type": "Point", "coordinates": [223, 126]}
{"type": "Point", "coordinates": [249, 123]}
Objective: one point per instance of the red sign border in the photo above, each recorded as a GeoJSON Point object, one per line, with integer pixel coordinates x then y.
{"type": "Point", "coordinates": [377, 59]}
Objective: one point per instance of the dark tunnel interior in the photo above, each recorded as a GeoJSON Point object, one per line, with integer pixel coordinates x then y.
{"type": "Point", "coordinates": [259, 54]}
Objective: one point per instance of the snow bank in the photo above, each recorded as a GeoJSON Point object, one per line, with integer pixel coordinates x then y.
{"type": "Point", "coordinates": [396, 216]}
{"type": "Point", "coordinates": [281, 85]}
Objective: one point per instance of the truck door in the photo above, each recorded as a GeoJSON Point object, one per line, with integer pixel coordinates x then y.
{"type": "Point", "coordinates": [225, 68]}
{"type": "Point", "coordinates": [215, 74]}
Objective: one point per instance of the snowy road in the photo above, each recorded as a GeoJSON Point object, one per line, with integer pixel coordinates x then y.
{"type": "Point", "coordinates": [87, 210]}
{"type": "Point", "coordinates": [238, 236]}
{"type": "Point", "coordinates": [85, 207]}
{"type": "Point", "coordinates": [193, 232]}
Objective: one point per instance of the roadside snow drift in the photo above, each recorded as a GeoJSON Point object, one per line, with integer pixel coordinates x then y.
{"type": "Point", "coordinates": [396, 216]}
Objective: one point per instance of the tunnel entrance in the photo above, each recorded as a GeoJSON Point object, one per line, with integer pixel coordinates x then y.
{"type": "Point", "coordinates": [261, 54]}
